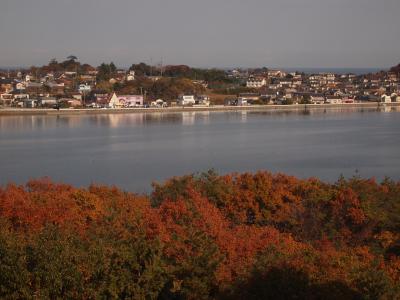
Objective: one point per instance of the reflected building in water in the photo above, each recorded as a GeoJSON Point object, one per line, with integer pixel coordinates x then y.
{"type": "Point", "coordinates": [188, 118]}
{"type": "Point", "coordinates": [125, 120]}
{"type": "Point", "coordinates": [116, 120]}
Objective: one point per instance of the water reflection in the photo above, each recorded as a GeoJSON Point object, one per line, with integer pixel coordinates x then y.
{"type": "Point", "coordinates": [188, 118]}
{"type": "Point", "coordinates": [131, 150]}
{"type": "Point", "coordinates": [243, 118]}
{"type": "Point", "coordinates": [17, 123]}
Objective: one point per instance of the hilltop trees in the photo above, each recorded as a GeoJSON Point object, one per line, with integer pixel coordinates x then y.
{"type": "Point", "coordinates": [179, 71]}
{"type": "Point", "coordinates": [72, 58]}
{"type": "Point", "coordinates": [395, 69]}
{"type": "Point", "coordinates": [106, 71]}
{"type": "Point", "coordinates": [71, 64]}
{"type": "Point", "coordinates": [175, 80]}
{"type": "Point", "coordinates": [141, 69]}
{"type": "Point", "coordinates": [165, 88]}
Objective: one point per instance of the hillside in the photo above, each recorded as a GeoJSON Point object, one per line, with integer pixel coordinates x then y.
{"type": "Point", "coordinates": [395, 69]}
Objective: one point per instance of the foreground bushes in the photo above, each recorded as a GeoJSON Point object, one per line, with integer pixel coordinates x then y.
{"type": "Point", "coordinates": [240, 236]}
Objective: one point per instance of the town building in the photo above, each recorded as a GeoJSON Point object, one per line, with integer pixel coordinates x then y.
{"type": "Point", "coordinates": [386, 98]}
{"type": "Point", "coordinates": [84, 88]}
{"type": "Point", "coordinates": [130, 76]}
{"type": "Point", "coordinates": [125, 101]}
{"type": "Point", "coordinates": [332, 99]}
{"type": "Point", "coordinates": [317, 99]}
{"type": "Point", "coordinates": [158, 103]}
{"type": "Point", "coordinates": [256, 82]}
{"type": "Point", "coordinates": [186, 100]}
{"type": "Point", "coordinates": [131, 100]}
{"type": "Point", "coordinates": [202, 100]}
{"type": "Point", "coordinates": [6, 99]}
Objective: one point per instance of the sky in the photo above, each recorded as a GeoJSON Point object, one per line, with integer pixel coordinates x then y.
{"type": "Point", "coordinates": [206, 33]}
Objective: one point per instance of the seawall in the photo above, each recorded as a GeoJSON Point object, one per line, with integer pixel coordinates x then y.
{"type": "Point", "coordinates": [216, 108]}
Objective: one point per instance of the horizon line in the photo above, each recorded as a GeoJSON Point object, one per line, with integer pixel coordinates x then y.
{"type": "Point", "coordinates": [223, 67]}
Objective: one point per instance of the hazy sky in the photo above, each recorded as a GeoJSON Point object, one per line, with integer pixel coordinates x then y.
{"type": "Point", "coordinates": [222, 33]}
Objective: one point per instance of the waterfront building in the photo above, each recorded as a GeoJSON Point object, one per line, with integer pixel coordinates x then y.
{"type": "Point", "coordinates": [331, 99]}
{"type": "Point", "coordinates": [386, 98]}
{"type": "Point", "coordinates": [125, 101]}
{"type": "Point", "coordinates": [203, 100]}
{"type": "Point", "coordinates": [317, 99]}
{"type": "Point", "coordinates": [158, 103]}
{"type": "Point", "coordinates": [48, 101]}
{"type": "Point", "coordinates": [242, 101]}
{"type": "Point", "coordinates": [114, 102]}
{"type": "Point", "coordinates": [186, 100]}
{"type": "Point", "coordinates": [131, 100]}
{"type": "Point", "coordinates": [6, 99]}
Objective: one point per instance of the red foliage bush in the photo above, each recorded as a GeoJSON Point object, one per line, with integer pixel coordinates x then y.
{"type": "Point", "coordinates": [221, 230]}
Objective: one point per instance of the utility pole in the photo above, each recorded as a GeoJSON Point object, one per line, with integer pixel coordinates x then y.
{"type": "Point", "coordinates": [161, 66]}
{"type": "Point", "coordinates": [398, 82]}
{"type": "Point", "coordinates": [151, 66]}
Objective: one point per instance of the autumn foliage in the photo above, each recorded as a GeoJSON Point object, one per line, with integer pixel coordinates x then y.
{"type": "Point", "coordinates": [238, 236]}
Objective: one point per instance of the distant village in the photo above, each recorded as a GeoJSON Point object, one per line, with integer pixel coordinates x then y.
{"type": "Point", "coordinates": [70, 84]}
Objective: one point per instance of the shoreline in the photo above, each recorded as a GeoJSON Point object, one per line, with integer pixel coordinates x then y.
{"type": "Point", "coordinates": [216, 108]}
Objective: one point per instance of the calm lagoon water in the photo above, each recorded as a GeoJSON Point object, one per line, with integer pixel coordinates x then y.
{"type": "Point", "coordinates": [132, 150]}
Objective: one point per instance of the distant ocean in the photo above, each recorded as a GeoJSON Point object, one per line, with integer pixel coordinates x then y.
{"type": "Point", "coordinates": [5, 69]}
{"type": "Point", "coordinates": [356, 71]}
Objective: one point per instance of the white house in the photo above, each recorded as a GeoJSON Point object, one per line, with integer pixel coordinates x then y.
{"type": "Point", "coordinates": [159, 103]}
{"type": "Point", "coordinates": [386, 98]}
{"type": "Point", "coordinates": [130, 76]}
{"type": "Point", "coordinates": [186, 100]}
{"type": "Point", "coordinates": [84, 88]}
{"type": "Point", "coordinates": [276, 73]}
{"type": "Point", "coordinates": [21, 96]}
{"type": "Point", "coordinates": [256, 82]}
{"type": "Point", "coordinates": [395, 97]}
{"type": "Point", "coordinates": [70, 73]}
{"type": "Point", "coordinates": [317, 99]}
{"type": "Point", "coordinates": [242, 101]}
{"type": "Point", "coordinates": [20, 86]}
{"type": "Point", "coordinates": [333, 99]}
{"type": "Point", "coordinates": [48, 101]}
{"type": "Point", "coordinates": [203, 100]}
